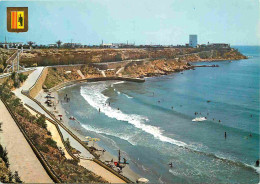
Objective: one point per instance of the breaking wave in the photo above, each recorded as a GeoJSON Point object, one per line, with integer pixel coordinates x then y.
{"type": "Point", "coordinates": [93, 95]}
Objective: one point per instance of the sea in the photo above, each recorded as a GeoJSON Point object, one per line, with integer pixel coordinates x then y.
{"type": "Point", "coordinates": [151, 122]}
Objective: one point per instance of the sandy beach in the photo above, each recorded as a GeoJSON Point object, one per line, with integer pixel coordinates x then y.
{"type": "Point", "coordinates": [57, 109]}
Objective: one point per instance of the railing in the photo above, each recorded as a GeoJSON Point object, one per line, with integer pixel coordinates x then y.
{"type": "Point", "coordinates": [38, 154]}
{"type": "Point", "coordinates": [58, 129]}
{"type": "Point", "coordinates": [79, 141]}
{"type": "Point", "coordinates": [112, 171]}
{"type": "Point", "coordinates": [72, 134]}
{"type": "Point", "coordinates": [61, 124]}
{"type": "Point", "coordinates": [12, 57]}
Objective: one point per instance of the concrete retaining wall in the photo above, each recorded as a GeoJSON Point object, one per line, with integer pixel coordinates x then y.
{"type": "Point", "coordinates": [37, 87]}
{"type": "Point", "coordinates": [96, 80]}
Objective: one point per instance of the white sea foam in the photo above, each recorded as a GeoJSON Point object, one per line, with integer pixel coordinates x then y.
{"type": "Point", "coordinates": [107, 132]}
{"type": "Point", "coordinates": [120, 82]}
{"type": "Point", "coordinates": [93, 95]}
{"type": "Point", "coordinates": [127, 96]}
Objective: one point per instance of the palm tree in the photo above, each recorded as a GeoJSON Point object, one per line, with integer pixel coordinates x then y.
{"type": "Point", "coordinates": [30, 43]}
{"type": "Point", "coordinates": [59, 43]}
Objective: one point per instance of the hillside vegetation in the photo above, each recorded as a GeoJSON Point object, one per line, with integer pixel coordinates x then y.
{"type": "Point", "coordinates": [69, 171]}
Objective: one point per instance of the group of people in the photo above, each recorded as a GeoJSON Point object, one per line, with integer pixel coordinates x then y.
{"type": "Point", "coordinates": [66, 98]}
{"type": "Point", "coordinates": [99, 110]}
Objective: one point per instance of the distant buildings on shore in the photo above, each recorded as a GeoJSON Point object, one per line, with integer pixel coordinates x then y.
{"type": "Point", "coordinates": [193, 43]}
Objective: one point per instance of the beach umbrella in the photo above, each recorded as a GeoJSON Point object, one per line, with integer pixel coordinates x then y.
{"type": "Point", "coordinates": [143, 180]}
{"type": "Point", "coordinates": [95, 139]}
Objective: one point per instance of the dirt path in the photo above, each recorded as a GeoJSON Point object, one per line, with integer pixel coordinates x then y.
{"type": "Point", "coordinates": [54, 133]}
{"type": "Point", "coordinates": [101, 171]}
{"type": "Point", "coordinates": [21, 156]}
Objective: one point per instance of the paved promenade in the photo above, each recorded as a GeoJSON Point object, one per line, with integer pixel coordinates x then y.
{"type": "Point", "coordinates": [21, 156]}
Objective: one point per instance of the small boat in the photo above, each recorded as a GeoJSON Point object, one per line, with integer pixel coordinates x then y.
{"type": "Point", "coordinates": [200, 119]}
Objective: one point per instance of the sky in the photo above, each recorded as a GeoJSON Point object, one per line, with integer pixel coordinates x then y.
{"type": "Point", "coordinates": [163, 22]}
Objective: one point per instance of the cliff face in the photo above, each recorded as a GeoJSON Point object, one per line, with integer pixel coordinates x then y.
{"type": "Point", "coordinates": [46, 57]}
{"type": "Point", "coordinates": [154, 68]}
{"type": "Point", "coordinates": [181, 62]}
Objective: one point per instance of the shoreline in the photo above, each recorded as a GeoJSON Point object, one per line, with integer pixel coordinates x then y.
{"type": "Point", "coordinates": [104, 156]}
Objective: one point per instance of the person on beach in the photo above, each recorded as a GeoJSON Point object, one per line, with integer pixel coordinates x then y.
{"type": "Point", "coordinates": [225, 135]}
{"type": "Point", "coordinates": [257, 163]}
{"type": "Point", "coordinates": [99, 110]}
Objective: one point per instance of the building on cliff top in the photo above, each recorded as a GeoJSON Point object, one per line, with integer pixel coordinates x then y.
{"type": "Point", "coordinates": [193, 41]}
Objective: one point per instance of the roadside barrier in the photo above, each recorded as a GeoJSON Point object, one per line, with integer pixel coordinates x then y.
{"type": "Point", "coordinates": [82, 143]}
{"type": "Point", "coordinates": [58, 129]}
{"type": "Point", "coordinates": [27, 93]}
{"type": "Point", "coordinates": [38, 154]}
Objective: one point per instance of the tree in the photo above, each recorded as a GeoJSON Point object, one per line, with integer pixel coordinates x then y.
{"type": "Point", "coordinates": [30, 43]}
{"type": "Point", "coordinates": [59, 43]}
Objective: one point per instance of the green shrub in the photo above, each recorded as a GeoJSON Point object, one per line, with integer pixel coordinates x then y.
{"type": "Point", "coordinates": [43, 148]}
{"type": "Point", "coordinates": [22, 77]}
{"type": "Point", "coordinates": [3, 155]}
{"type": "Point", "coordinates": [51, 142]}
{"type": "Point", "coordinates": [41, 121]}
{"type": "Point", "coordinates": [13, 76]}
{"type": "Point", "coordinates": [17, 178]}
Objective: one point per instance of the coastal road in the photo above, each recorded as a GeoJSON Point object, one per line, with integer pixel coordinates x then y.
{"type": "Point", "coordinates": [20, 154]}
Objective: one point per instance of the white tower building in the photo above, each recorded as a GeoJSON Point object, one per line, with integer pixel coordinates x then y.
{"type": "Point", "coordinates": [193, 41]}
